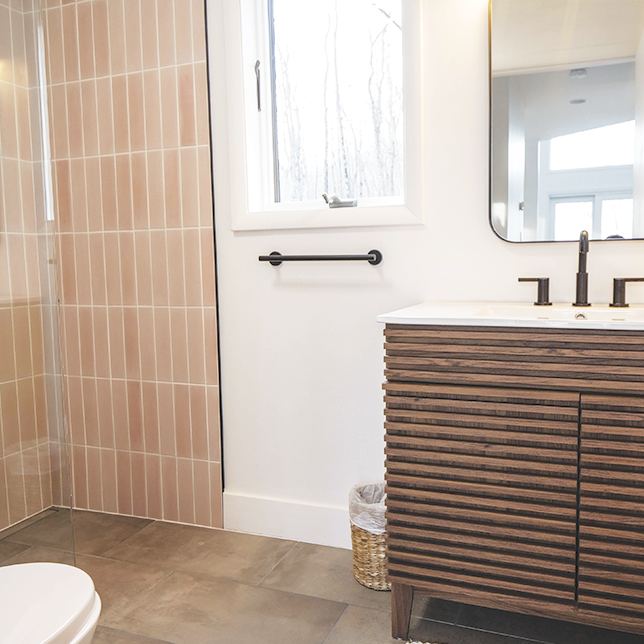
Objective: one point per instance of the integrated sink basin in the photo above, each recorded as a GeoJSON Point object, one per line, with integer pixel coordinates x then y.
{"type": "Point", "coordinates": [597, 316]}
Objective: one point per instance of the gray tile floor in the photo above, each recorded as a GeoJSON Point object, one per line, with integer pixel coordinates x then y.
{"type": "Point", "coordinates": [167, 583]}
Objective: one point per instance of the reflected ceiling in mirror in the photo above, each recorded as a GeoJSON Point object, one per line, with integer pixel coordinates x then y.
{"type": "Point", "coordinates": [567, 119]}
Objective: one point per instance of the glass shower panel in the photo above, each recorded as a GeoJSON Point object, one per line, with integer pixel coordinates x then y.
{"type": "Point", "coordinates": [35, 502]}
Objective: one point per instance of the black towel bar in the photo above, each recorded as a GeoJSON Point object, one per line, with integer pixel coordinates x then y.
{"type": "Point", "coordinates": [275, 258]}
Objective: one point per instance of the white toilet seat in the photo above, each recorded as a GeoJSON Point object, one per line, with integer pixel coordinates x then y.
{"type": "Point", "coordinates": [46, 603]}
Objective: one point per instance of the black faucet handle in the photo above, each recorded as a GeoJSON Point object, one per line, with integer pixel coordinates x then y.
{"type": "Point", "coordinates": [543, 289]}
{"type": "Point", "coordinates": [619, 290]}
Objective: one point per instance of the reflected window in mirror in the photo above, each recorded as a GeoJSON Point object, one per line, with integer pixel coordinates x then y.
{"type": "Point", "coordinates": [567, 82]}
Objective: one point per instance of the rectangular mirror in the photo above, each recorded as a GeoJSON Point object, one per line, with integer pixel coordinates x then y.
{"type": "Point", "coordinates": [567, 119]}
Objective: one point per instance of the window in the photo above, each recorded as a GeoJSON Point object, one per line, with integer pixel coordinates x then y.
{"type": "Point", "coordinates": [323, 97]}
{"type": "Point", "coordinates": [337, 99]}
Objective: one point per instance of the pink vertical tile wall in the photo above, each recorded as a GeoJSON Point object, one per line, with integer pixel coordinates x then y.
{"type": "Point", "coordinates": [30, 419]}
{"type": "Point", "coordinates": [130, 143]}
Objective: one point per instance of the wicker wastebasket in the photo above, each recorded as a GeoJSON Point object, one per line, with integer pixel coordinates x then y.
{"type": "Point", "coordinates": [367, 512]}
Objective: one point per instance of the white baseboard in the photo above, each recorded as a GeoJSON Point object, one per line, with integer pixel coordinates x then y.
{"type": "Point", "coordinates": [324, 525]}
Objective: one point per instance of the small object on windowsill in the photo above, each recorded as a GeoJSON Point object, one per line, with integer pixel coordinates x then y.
{"type": "Point", "coordinates": [335, 202]}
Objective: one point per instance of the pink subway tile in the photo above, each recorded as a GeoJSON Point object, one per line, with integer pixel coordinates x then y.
{"type": "Point", "coordinates": [15, 488]}
{"type": "Point", "coordinates": [214, 427]}
{"type": "Point", "coordinates": [132, 359]}
{"type": "Point", "coordinates": [172, 185]}
{"type": "Point", "coordinates": [163, 342]}
{"type": "Point", "coordinates": [108, 192]}
{"type": "Point", "coordinates": [169, 107]}
{"type": "Point", "coordinates": [156, 195]}
{"type": "Point", "coordinates": [71, 344]}
{"type": "Point", "coordinates": [198, 30]}
{"type": "Point", "coordinates": [192, 266]}
{"type": "Point", "coordinates": [32, 267]}
{"type": "Point", "coordinates": [31, 465]}
{"type": "Point", "coordinates": [186, 491]}
{"type": "Point", "coordinates": [94, 482]}
{"type": "Point", "coordinates": [101, 41]}
{"type": "Point", "coordinates": [28, 197]}
{"type": "Point", "coordinates": [128, 268]}
{"type": "Point", "coordinates": [143, 268]}
{"type": "Point", "coordinates": [4, 505]}
{"type": "Point", "coordinates": [117, 36]}
{"type": "Point", "coordinates": [121, 117]}
{"type": "Point", "coordinates": [70, 43]}
{"type": "Point", "coordinates": [67, 264]}
{"type": "Point", "coordinates": [117, 342]}
{"type": "Point", "coordinates": [90, 407]}
{"type": "Point", "coordinates": [119, 411]}
{"type": "Point", "coordinates": [165, 13]}
{"type": "Point", "coordinates": [8, 129]}
{"type": "Point", "coordinates": [94, 196]}
{"type": "Point", "coordinates": [178, 328]}
{"type": "Point", "coordinates": [210, 328]}
{"type": "Point", "coordinates": [105, 120]}
{"type": "Point", "coordinates": [196, 362]}
{"type": "Point", "coordinates": [124, 481]}
{"type": "Point", "coordinates": [135, 415]}
{"type": "Point", "coordinates": [106, 424]}
{"type": "Point", "coordinates": [54, 53]}
{"type": "Point", "coordinates": [83, 274]}
{"type": "Point", "coordinates": [199, 422]}
{"type": "Point", "coordinates": [22, 341]}
{"type": "Point", "coordinates": [151, 92]}
{"type": "Point", "coordinates": [159, 268]}
{"type": "Point", "coordinates": [113, 268]}
{"type": "Point", "coordinates": [166, 419]}
{"type": "Point", "coordinates": [97, 263]}
{"type": "Point", "coordinates": [74, 120]}
{"type": "Point", "coordinates": [189, 187]}
{"type": "Point", "coordinates": [187, 124]}
{"type": "Point", "coordinates": [216, 495]}
{"type": "Point", "coordinates": [7, 361]}
{"type": "Point", "coordinates": [181, 395]}
{"type": "Point", "coordinates": [9, 415]}
{"type": "Point", "coordinates": [90, 116]}
{"type": "Point", "coordinates": [24, 126]}
{"type": "Point", "coordinates": [169, 488]}
{"type": "Point", "coordinates": [76, 419]}
{"type": "Point", "coordinates": [78, 195]}
{"type": "Point", "coordinates": [205, 189]}
{"type": "Point", "coordinates": [140, 191]}
{"type": "Point", "coordinates": [79, 470]}
{"type": "Point", "coordinates": [13, 204]}
{"type": "Point", "coordinates": [201, 473]}
{"type": "Point", "coordinates": [40, 400]}
{"type": "Point", "coordinates": [139, 500]}
{"type": "Point", "coordinates": [101, 344]}
{"type": "Point", "coordinates": [150, 417]}
{"type": "Point", "coordinates": [27, 412]}
{"type": "Point", "coordinates": [18, 279]}
{"type": "Point", "coordinates": [183, 30]}
{"type": "Point", "coordinates": [133, 36]}
{"type": "Point", "coordinates": [108, 483]}
{"type": "Point", "coordinates": [149, 34]}
{"type": "Point", "coordinates": [176, 282]}
{"type": "Point", "coordinates": [153, 486]}
{"type": "Point", "coordinates": [37, 340]}
{"type": "Point", "coordinates": [124, 191]}
{"type": "Point", "coordinates": [147, 346]}
{"type": "Point", "coordinates": [85, 39]}
{"type": "Point", "coordinates": [45, 476]}
{"type": "Point", "coordinates": [63, 183]}
{"type": "Point", "coordinates": [86, 335]}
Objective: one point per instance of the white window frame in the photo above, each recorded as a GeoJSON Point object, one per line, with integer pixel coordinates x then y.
{"type": "Point", "coordinates": [250, 174]}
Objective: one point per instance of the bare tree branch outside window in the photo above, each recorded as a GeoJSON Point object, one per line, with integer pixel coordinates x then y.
{"type": "Point", "coordinates": [339, 105]}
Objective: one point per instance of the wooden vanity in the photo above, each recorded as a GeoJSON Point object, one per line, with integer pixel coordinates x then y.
{"type": "Point", "coordinates": [515, 470]}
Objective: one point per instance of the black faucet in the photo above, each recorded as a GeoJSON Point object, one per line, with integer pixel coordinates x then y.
{"type": "Point", "coordinates": [582, 275]}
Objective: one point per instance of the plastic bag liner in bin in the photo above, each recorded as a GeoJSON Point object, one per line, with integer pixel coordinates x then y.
{"type": "Point", "coordinates": [367, 507]}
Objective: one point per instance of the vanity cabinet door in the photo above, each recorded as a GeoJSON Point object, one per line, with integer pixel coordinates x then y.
{"type": "Point", "coordinates": [611, 531]}
{"type": "Point", "coordinates": [482, 493]}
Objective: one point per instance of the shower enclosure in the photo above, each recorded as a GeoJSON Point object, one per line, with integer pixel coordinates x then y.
{"type": "Point", "coordinates": [34, 473]}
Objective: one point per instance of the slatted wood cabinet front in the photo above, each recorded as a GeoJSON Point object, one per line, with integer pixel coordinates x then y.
{"type": "Point", "coordinates": [514, 471]}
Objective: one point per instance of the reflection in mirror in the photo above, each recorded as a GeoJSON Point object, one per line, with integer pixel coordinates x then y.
{"type": "Point", "coordinates": [567, 82]}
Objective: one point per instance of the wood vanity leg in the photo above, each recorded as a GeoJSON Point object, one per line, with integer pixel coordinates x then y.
{"type": "Point", "coordinates": [402, 597]}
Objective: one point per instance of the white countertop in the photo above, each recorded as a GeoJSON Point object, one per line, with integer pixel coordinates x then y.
{"type": "Point", "coordinates": [559, 315]}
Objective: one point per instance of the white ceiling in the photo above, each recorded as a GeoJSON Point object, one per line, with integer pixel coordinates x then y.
{"type": "Point", "coordinates": [551, 34]}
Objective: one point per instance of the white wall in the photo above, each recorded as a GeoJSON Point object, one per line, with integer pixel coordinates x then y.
{"type": "Point", "coordinates": [301, 351]}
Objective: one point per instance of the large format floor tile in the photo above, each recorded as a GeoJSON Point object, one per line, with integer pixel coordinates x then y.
{"type": "Point", "coordinates": [320, 571]}
{"type": "Point", "coordinates": [216, 553]}
{"type": "Point", "coordinates": [36, 553]}
{"type": "Point", "coordinates": [184, 609]}
{"type": "Point", "coordinates": [54, 531]}
{"type": "Point", "coordinates": [119, 583]}
{"type": "Point", "coordinates": [362, 626]}
{"type": "Point", "coordinates": [110, 636]}
{"type": "Point", "coordinates": [9, 550]}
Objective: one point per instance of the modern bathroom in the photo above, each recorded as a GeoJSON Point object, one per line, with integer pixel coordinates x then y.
{"type": "Point", "coordinates": [257, 253]}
